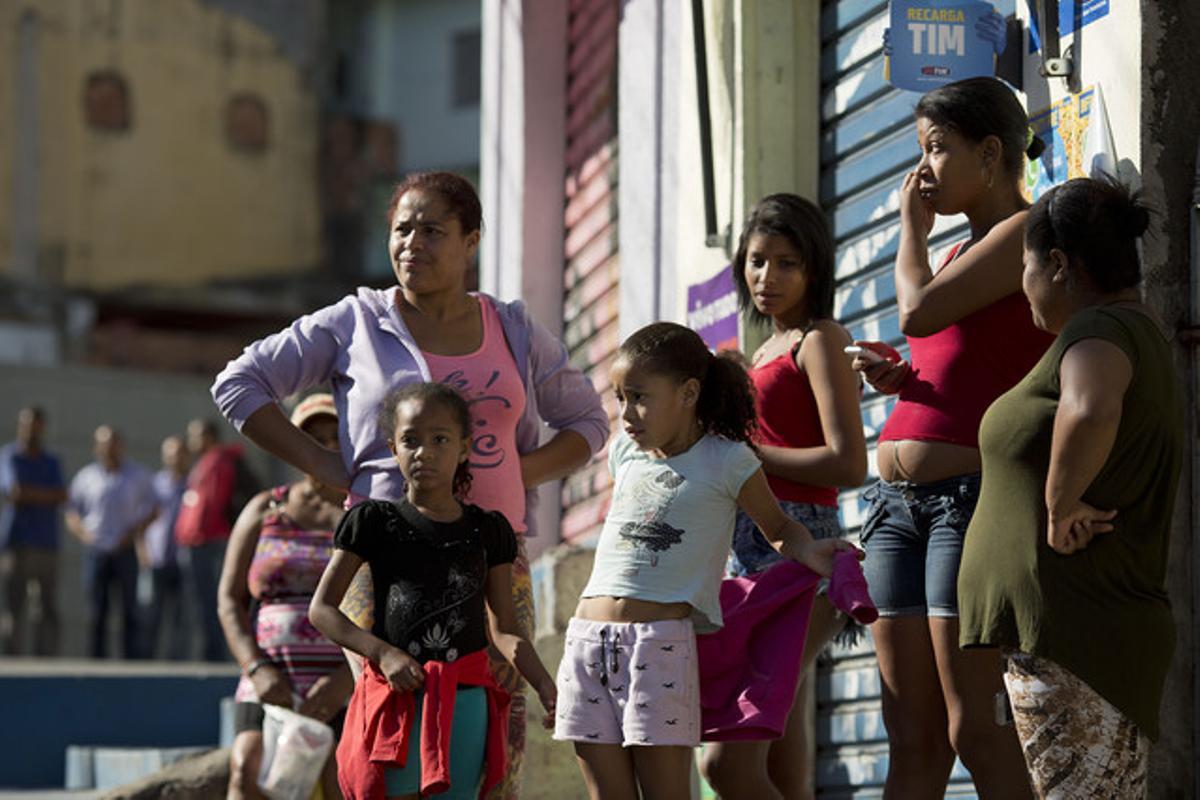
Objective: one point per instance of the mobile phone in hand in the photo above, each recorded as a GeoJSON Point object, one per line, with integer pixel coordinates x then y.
{"type": "Point", "coordinates": [868, 355]}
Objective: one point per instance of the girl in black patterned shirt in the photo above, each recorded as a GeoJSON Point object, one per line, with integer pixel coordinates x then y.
{"type": "Point", "coordinates": [442, 572]}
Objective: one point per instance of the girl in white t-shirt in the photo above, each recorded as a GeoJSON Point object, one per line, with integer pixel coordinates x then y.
{"type": "Point", "coordinates": [628, 694]}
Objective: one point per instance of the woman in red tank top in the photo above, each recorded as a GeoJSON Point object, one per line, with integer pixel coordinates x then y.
{"type": "Point", "coordinates": [971, 337]}
{"type": "Point", "coordinates": [810, 440]}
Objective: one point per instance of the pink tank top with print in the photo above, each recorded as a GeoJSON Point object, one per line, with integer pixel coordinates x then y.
{"type": "Point", "coordinates": [489, 379]}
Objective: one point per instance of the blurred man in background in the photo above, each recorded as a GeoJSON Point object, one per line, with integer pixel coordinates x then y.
{"type": "Point", "coordinates": [159, 556]}
{"type": "Point", "coordinates": [218, 486]}
{"type": "Point", "coordinates": [108, 508]}
{"type": "Point", "coordinates": [31, 484]}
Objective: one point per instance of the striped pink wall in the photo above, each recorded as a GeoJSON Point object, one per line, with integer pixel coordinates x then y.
{"type": "Point", "coordinates": [590, 248]}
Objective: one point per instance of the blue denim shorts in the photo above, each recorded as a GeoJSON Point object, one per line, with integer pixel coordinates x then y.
{"type": "Point", "coordinates": [913, 535]}
{"type": "Point", "coordinates": [753, 553]}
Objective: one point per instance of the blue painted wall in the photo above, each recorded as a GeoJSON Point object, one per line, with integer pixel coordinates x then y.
{"type": "Point", "coordinates": [42, 714]}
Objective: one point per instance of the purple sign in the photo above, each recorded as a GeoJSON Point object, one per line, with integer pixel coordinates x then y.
{"type": "Point", "coordinates": [712, 310]}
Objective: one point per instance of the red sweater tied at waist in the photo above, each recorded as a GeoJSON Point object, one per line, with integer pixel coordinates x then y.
{"type": "Point", "coordinates": [378, 722]}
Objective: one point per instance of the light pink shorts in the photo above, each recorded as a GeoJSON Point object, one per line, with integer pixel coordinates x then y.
{"type": "Point", "coordinates": [629, 683]}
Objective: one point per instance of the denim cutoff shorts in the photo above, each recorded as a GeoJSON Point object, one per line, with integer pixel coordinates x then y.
{"type": "Point", "coordinates": [753, 553]}
{"type": "Point", "coordinates": [913, 535]}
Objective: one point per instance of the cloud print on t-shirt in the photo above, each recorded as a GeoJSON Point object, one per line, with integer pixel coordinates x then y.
{"type": "Point", "coordinates": [651, 500]}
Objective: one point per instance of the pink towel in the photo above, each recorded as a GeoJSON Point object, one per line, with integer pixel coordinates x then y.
{"type": "Point", "coordinates": [749, 669]}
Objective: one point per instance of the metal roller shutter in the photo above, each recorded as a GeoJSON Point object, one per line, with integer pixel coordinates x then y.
{"type": "Point", "coordinates": [590, 250]}
{"type": "Point", "coordinates": [867, 144]}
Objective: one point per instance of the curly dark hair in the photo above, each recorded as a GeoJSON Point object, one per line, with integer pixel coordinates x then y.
{"type": "Point", "coordinates": [726, 403]}
{"type": "Point", "coordinates": [438, 393]}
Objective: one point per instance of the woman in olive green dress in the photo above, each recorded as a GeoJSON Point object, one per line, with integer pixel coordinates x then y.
{"type": "Point", "coordinates": [1064, 564]}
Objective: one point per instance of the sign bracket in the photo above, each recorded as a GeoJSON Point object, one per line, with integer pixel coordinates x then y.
{"type": "Point", "coordinates": [1054, 63]}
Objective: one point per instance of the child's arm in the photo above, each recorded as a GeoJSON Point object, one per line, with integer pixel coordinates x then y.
{"type": "Point", "coordinates": [789, 537]}
{"type": "Point", "coordinates": [506, 635]}
{"type": "Point", "coordinates": [401, 670]}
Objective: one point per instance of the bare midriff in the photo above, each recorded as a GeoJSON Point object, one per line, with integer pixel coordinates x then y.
{"type": "Point", "coordinates": [924, 462]}
{"type": "Point", "coordinates": [628, 609]}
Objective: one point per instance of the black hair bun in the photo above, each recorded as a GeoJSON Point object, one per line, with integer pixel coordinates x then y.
{"type": "Point", "coordinates": [1035, 148]}
{"type": "Point", "coordinates": [1135, 221]}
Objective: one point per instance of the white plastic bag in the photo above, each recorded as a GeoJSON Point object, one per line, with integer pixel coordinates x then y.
{"type": "Point", "coordinates": [295, 748]}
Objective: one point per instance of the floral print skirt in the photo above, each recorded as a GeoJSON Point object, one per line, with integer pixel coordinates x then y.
{"type": "Point", "coordinates": [1076, 744]}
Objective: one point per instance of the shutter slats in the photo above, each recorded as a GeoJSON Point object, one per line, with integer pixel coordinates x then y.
{"type": "Point", "coordinates": [867, 143]}
{"type": "Point", "coordinates": [591, 265]}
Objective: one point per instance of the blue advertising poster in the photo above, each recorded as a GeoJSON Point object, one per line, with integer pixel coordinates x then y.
{"type": "Point", "coordinates": [937, 41]}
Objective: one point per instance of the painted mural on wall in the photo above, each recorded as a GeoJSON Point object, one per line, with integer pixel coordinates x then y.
{"type": "Point", "coordinates": [1078, 141]}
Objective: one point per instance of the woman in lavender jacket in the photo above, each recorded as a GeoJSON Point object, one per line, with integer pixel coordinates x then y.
{"type": "Point", "coordinates": [428, 327]}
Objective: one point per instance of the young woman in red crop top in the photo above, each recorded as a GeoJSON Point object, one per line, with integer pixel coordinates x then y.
{"type": "Point", "coordinates": [971, 337]}
{"type": "Point", "coordinates": [810, 441]}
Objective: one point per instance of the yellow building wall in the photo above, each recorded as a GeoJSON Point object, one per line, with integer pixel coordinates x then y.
{"type": "Point", "coordinates": [764, 96]}
{"type": "Point", "coordinates": [168, 201]}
